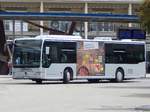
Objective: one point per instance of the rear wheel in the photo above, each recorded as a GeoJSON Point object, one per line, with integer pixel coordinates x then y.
{"type": "Point", "coordinates": [119, 75]}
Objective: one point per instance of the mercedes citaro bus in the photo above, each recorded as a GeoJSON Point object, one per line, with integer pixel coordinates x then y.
{"type": "Point", "coordinates": [66, 58]}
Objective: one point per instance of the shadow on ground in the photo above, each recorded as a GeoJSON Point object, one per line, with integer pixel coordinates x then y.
{"type": "Point", "coordinates": [143, 108]}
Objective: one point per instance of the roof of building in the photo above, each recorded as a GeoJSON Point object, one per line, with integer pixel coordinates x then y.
{"type": "Point", "coordinates": [77, 1]}
{"type": "Point", "coordinates": [101, 17]}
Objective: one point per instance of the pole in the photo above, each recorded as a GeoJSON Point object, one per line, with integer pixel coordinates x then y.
{"type": "Point", "coordinates": [41, 22]}
{"type": "Point", "coordinates": [130, 13]}
{"type": "Point", "coordinates": [86, 23]}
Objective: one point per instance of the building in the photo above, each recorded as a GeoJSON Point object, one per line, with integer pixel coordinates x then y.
{"type": "Point", "coordinates": [19, 28]}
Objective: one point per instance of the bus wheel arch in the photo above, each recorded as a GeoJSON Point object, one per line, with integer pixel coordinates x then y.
{"type": "Point", "coordinates": [119, 75]}
{"type": "Point", "coordinates": [67, 75]}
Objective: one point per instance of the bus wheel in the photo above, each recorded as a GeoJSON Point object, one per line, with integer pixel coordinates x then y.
{"type": "Point", "coordinates": [67, 76]}
{"type": "Point", "coordinates": [38, 81]}
{"type": "Point", "coordinates": [119, 75]}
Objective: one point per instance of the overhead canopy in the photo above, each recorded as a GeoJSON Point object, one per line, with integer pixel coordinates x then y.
{"type": "Point", "coordinates": [99, 17]}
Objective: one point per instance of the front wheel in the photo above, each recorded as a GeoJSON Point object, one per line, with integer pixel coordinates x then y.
{"type": "Point", "coordinates": [67, 76]}
{"type": "Point", "coordinates": [119, 75]}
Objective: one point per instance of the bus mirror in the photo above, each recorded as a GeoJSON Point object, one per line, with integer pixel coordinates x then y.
{"type": "Point", "coordinates": [47, 50]}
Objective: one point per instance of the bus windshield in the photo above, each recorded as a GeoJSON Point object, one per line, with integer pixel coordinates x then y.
{"type": "Point", "coordinates": [27, 53]}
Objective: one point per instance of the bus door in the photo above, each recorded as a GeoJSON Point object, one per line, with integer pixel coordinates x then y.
{"type": "Point", "coordinates": [49, 58]}
{"type": "Point", "coordinates": [57, 56]}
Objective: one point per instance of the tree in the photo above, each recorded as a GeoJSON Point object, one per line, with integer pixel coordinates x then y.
{"type": "Point", "coordinates": [145, 15]}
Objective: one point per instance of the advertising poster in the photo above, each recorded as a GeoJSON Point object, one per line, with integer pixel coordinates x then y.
{"type": "Point", "coordinates": [90, 58]}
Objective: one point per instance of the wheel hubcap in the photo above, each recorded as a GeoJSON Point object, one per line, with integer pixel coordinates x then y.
{"type": "Point", "coordinates": [68, 75]}
{"type": "Point", "coordinates": [119, 76]}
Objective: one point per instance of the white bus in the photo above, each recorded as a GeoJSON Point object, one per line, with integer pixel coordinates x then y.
{"type": "Point", "coordinates": [65, 58]}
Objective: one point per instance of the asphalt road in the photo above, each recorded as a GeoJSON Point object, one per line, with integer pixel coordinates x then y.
{"type": "Point", "coordinates": [78, 96]}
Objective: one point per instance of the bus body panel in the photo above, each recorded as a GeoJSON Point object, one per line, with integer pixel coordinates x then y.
{"type": "Point", "coordinates": [26, 73]}
{"type": "Point", "coordinates": [55, 71]}
{"type": "Point", "coordinates": [128, 56]}
{"type": "Point", "coordinates": [129, 70]}
{"type": "Point", "coordinates": [90, 59]}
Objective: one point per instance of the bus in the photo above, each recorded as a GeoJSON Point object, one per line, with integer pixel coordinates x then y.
{"type": "Point", "coordinates": [66, 58]}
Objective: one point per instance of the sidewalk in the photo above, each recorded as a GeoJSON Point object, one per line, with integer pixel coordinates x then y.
{"type": "Point", "coordinates": [5, 76]}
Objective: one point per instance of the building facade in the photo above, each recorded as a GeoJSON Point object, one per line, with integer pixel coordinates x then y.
{"type": "Point", "coordinates": [17, 28]}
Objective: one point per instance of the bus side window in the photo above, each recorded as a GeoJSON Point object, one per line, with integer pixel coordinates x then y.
{"type": "Point", "coordinates": [54, 54]}
{"type": "Point", "coordinates": [18, 60]}
{"type": "Point", "coordinates": [63, 58]}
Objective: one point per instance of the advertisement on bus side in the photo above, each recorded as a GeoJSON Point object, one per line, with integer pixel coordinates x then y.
{"type": "Point", "coordinates": [90, 58]}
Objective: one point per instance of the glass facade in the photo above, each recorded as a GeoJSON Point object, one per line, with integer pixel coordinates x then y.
{"type": "Point", "coordinates": [94, 28]}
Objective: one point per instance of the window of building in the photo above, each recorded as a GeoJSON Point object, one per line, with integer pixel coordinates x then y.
{"type": "Point", "coordinates": [19, 25]}
{"type": "Point", "coordinates": [7, 25]}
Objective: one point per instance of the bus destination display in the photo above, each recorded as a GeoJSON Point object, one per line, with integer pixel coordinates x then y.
{"type": "Point", "coordinates": [131, 34]}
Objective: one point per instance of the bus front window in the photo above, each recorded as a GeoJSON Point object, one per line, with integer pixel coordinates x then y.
{"type": "Point", "coordinates": [27, 53]}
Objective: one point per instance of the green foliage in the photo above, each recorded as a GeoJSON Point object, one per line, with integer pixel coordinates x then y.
{"type": "Point", "coordinates": [145, 15]}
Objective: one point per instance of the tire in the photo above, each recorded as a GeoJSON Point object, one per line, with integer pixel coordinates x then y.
{"type": "Point", "coordinates": [67, 76]}
{"type": "Point", "coordinates": [119, 75]}
{"type": "Point", "coordinates": [38, 81]}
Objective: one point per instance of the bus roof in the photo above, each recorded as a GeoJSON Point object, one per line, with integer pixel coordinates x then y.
{"type": "Point", "coordinates": [52, 37]}
{"type": "Point", "coordinates": [78, 38]}
{"type": "Point", "coordinates": [59, 37]}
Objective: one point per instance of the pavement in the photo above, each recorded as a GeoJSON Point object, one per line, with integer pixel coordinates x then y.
{"type": "Point", "coordinates": [26, 96]}
{"type": "Point", "coordinates": [5, 76]}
